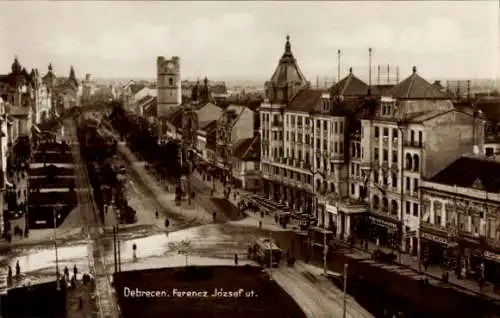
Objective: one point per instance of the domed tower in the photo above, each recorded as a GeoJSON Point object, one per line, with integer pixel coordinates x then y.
{"type": "Point", "coordinates": [287, 79]}
{"type": "Point", "coordinates": [49, 79]}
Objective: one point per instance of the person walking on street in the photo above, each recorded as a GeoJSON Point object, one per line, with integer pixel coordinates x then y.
{"type": "Point", "coordinates": [9, 275]}
{"type": "Point", "coordinates": [18, 269]}
{"type": "Point", "coordinates": [214, 216]}
{"type": "Point", "coordinates": [260, 225]}
{"type": "Point", "coordinates": [235, 259]}
{"type": "Point", "coordinates": [75, 271]}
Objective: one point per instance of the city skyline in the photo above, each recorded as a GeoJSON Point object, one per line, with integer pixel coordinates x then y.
{"type": "Point", "coordinates": [244, 40]}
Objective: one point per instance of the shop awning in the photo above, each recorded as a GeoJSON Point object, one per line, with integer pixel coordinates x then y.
{"type": "Point", "coordinates": [385, 223]}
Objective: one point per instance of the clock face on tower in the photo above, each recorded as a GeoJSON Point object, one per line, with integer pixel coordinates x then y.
{"type": "Point", "coordinates": [170, 66]}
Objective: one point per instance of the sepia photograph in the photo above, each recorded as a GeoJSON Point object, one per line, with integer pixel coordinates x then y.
{"type": "Point", "coordinates": [234, 159]}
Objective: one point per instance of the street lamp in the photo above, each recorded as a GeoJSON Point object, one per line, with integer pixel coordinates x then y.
{"type": "Point", "coordinates": [58, 286]}
{"type": "Point", "coordinates": [344, 307]}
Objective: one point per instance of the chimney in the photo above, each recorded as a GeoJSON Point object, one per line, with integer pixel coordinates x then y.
{"type": "Point", "coordinates": [338, 65]}
{"type": "Point", "coordinates": [397, 74]}
{"type": "Point", "coordinates": [388, 73]}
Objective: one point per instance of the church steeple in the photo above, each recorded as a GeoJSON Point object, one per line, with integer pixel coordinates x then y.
{"type": "Point", "coordinates": [205, 89]}
{"type": "Point", "coordinates": [16, 66]}
{"type": "Point", "coordinates": [194, 91]}
{"type": "Point", "coordinates": [72, 74]}
{"type": "Point", "coordinates": [50, 67]}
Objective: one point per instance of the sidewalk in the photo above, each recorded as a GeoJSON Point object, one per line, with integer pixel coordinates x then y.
{"type": "Point", "coordinates": [166, 199]}
{"type": "Point", "coordinates": [253, 218]}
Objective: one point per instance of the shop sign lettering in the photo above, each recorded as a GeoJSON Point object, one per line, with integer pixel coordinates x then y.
{"type": "Point", "coordinates": [435, 238]}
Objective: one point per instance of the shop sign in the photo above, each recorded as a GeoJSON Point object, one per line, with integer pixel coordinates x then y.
{"type": "Point", "coordinates": [383, 223]}
{"type": "Point", "coordinates": [331, 209]}
{"type": "Point", "coordinates": [492, 256]}
{"type": "Point", "coordinates": [435, 238]}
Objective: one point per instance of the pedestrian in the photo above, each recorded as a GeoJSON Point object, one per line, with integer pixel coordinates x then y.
{"type": "Point", "coordinates": [167, 223]}
{"type": "Point", "coordinates": [66, 272]}
{"type": "Point", "coordinates": [235, 259]}
{"type": "Point", "coordinates": [20, 233]}
{"type": "Point", "coordinates": [75, 271]}
{"type": "Point", "coordinates": [214, 216]}
{"type": "Point", "coordinates": [156, 214]}
{"type": "Point", "coordinates": [9, 275]}
{"type": "Point", "coordinates": [134, 251]}
{"type": "Point", "coordinates": [18, 268]}
{"type": "Point", "coordinates": [260, 225]}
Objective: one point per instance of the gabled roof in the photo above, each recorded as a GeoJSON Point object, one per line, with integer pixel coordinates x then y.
{"type": "Point", "coordinates": [208, 112]}
{"type": "Point", "coordinates": [415, 87]}
{"type": "Point", "coordinates": [247, 149]}
{"type": "Point", "coordinates": [306, 100]}
{"type": "Point", "coordinates": [350, 86]}
{"type": "Point", "coordinates": [471, 171]}
{"type": "Point", "coordinates": [287, 70]}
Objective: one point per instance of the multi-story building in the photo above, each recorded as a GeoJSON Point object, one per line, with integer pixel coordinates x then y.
{"type": "Point", "coordinates": [43, 99]}
{"type": "Point", "coordinates": [460, 220]}
{"type": "Point", "coordinates": [354, 156]}
{"type": "Point", "coordinates": [89, 88]}
{"type": "Point", "coordinates": [168, 84]}
{"type": "Point", "coordinates": [411, 134]}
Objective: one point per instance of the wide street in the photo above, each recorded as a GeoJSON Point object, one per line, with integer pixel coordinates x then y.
{"type": "Point", "coordinates": [209, 243]}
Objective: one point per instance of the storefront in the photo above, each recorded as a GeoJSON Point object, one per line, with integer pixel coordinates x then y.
{"type": "Point", "coordinates": [437, 247]}
{"type": "Point", "coordinates": [386, 229]}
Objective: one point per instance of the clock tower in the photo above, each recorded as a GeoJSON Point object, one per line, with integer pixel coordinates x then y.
{"type": "Point", "coordinates": [168, 84]}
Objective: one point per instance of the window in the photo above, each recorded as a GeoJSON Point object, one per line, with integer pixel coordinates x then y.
{"type": "Point", "coordinates": [341, 127]}
{"type": "Point", "coordinates": [335, 127]}
{"type": "Point", "coordinates": [394, 156]}
{"type": "Point", "coordinates": [170, 81]}
{"type": "Point", "coordinates": [415, 209]}
{"type": "Point", "coordinates": [375, 177]}
{"type": "Point", "coordinates": [375, 153]}
{"type": "Point", "coordinates": [408, 183]}
{"type": "Point", "coordinates": [353, 168]}
{"type": "Point", "coordinates": [408, 207]}
{"type": "Point", "coordinates": [377, 132]}
{"type": "Point", "coordinates": [385, 180]}
{"type": "Point", "coordinates": [416, 163]}
{"type": "Point", "coordinates": [318, 143]}
{"type": "Point", "coordinates": [420, 138]}
{"type": "Point", "coordinates": [415, 185]}
{"type": "Point", "coordinates": [412, 136]}
{"type": "Point", "coordinates": [336, 147]}
{"type": "Point", "coordinates": [386, 132]}
{"type": "Point", "coordinates": [394, 180]}
{"type": "Point", "coordinates": [489, 151]}
{"type": "Point", "coordinates": [385, 155]}
{"type": "Point", "coordinates": [353, 189]}
{"type": "Point", "coordinates": [341, 146]}
{"type": "Point", "coordinates": [325, 125]}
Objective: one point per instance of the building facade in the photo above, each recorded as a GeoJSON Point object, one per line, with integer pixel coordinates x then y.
{"type": "Point", "coordinates": [460, 225]}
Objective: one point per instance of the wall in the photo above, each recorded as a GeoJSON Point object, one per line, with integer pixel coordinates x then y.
{"type": "Point", "coordinates": [447, 137]}
{"type": "Point", "coordinates": [244, 126]}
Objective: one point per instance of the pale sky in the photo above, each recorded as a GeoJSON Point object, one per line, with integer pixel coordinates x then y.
{"type": "Point", "coordinates": [244, 40]}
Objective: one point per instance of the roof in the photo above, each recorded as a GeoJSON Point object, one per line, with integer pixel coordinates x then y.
{"type": "Point", "coordinates": [208, 112]}
{"type": "Point", "coordinates": [305, 100]}
{"type": "Point", "coordinates": [425, 116]}
{"type": "Point", "coordinates": [415, 87]}
{"type": "Point", "coordinates": [247, 149]}
{"type": "Point", "coordinates": [350, 86]}
{"type": "Point", "coordinates": [207, 125]}
{"type": "Point", "coordinates": [287, 70]}
{"type": "Point", "coordinates": [175, 117]}
{"type": "Point", "coordinates": [471, 171]}
{"type": "Point", "coordinates": [218, 89]}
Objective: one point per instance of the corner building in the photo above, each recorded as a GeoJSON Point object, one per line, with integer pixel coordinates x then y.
{"type": "Point", "coordinates": [352, 157]}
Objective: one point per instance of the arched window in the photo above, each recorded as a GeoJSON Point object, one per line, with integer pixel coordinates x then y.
{"type": "Point", "coordinates": [394, 207]}
{"type": "Point", "coordinates": [318, 185]}
{"type": "Point", "coordinates": [376, 202]}
{"type": "Point", "coordinates": [408, 162]}
{"type": "Point", "coordinates": [416, 163]}
{"type": "Point", "coordinates": [385, 204]}
{"type": "Point", "coordinates": [325, 186]}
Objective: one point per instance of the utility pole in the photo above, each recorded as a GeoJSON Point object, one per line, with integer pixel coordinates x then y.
{"type": "Point", "coordinates": [115, 251]}
{"type": "Point", "coordinates": [344, 310]}
{"type": "Point", "coordinates": [58, 286]}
